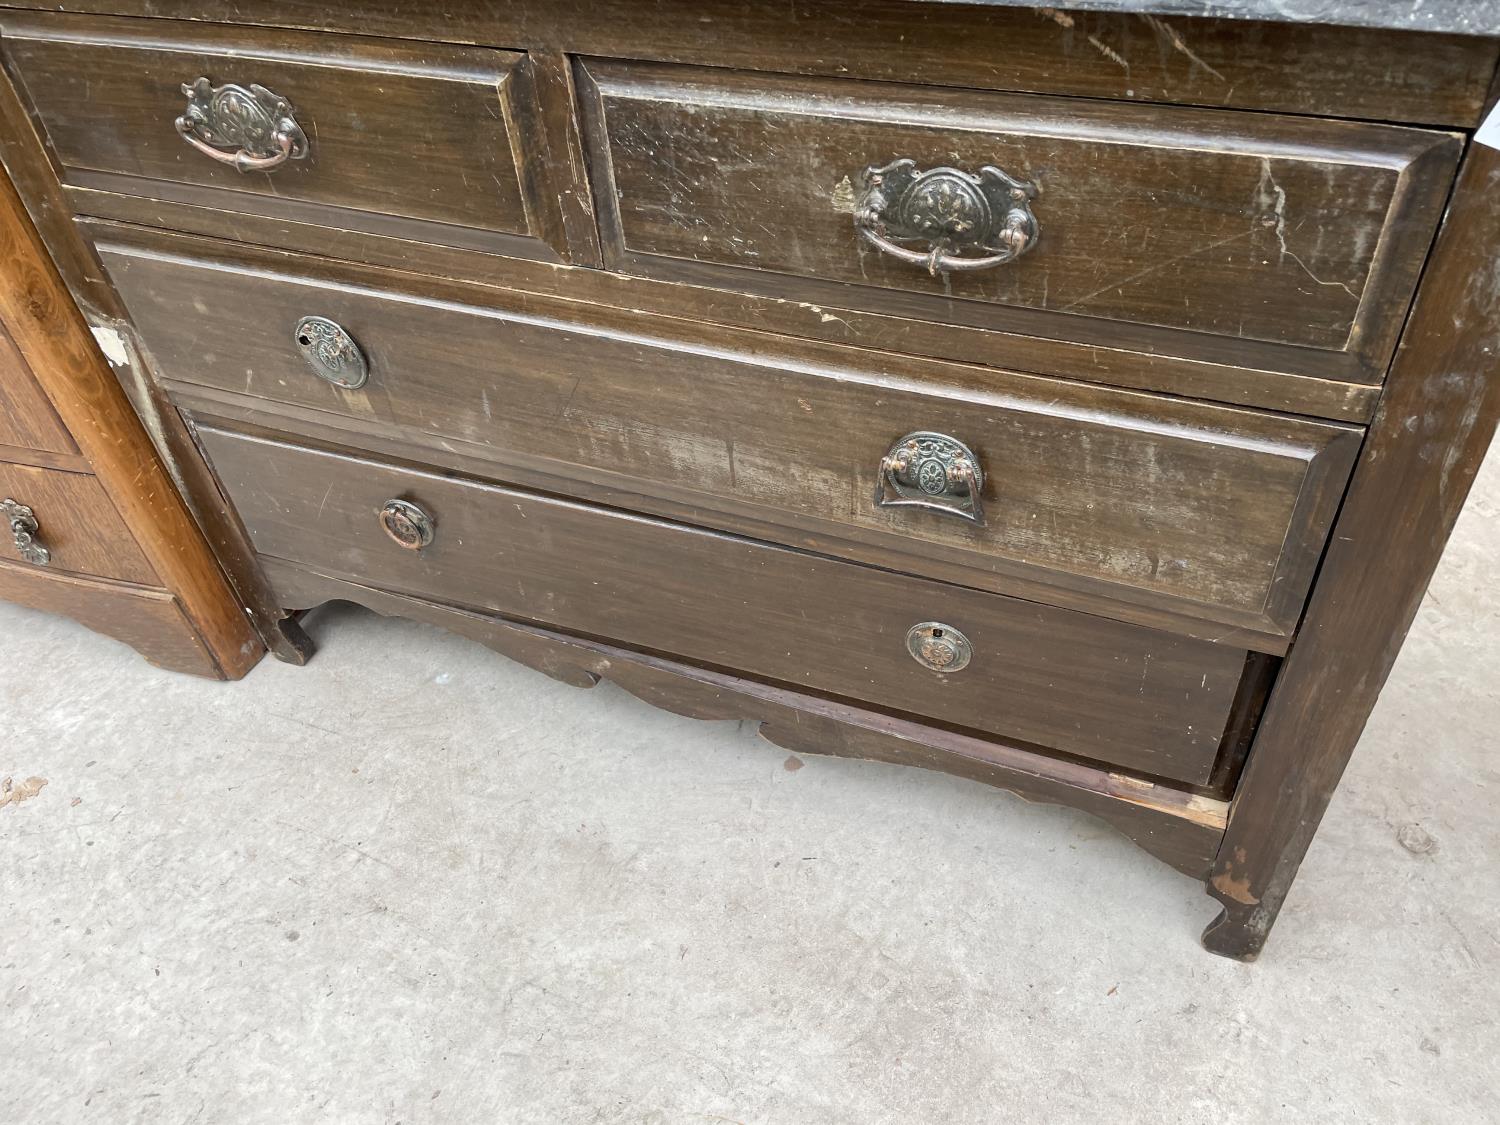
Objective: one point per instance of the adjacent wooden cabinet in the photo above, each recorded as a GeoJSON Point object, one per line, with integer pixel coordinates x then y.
{"type": "Point", "coordinates": [1074, 401]}
{"type": "Point", "coordinates": [91, 524]}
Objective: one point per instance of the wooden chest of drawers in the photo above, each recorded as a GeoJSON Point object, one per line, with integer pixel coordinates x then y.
{"type": "Point", "coordinates": [1073, 401]}
{"type": "Point", "coordinates": [90, 523]}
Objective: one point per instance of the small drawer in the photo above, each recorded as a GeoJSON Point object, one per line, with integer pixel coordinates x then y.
{"type": "Point", "coordinates": [1109, 498]}
{"type": "Point", "coordinates": [1286, 244]}
{"type": "Point", "coordinates": [422, 141]}
{"type": "Point", "coordinates": [65, 522]}
{"type": "Point", "coordinates": [1116, 693]}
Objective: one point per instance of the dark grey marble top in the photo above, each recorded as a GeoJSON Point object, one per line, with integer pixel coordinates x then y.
{"type": "Point", "coordinates": [1466, 17]}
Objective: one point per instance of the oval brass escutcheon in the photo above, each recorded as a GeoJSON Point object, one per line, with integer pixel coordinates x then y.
{"type": "Point", "coordinates": [331, 352]}
{"type": "Point", "coordinates": [942, 648]}
{"type": "Point", "coordinates": [407, 524]}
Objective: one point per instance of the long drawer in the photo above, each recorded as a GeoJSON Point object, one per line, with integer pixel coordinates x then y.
{"type": "Point", "coordinates": [1212, 513]}
{"type": "Point", "coordinates": [1103, 690]}
{"type": "Point", "coordinates": [417, 140]}
{"type": "Point", "coordinates": [1286, 243]}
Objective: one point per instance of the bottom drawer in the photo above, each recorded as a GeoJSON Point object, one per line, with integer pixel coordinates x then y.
{"type": "Point", "coordinates": [1117, 693]}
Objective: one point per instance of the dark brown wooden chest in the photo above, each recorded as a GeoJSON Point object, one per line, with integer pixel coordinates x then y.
{"type": "Point", "coordinates": [1073, 401]}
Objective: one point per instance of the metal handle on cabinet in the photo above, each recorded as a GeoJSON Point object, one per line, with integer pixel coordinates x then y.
{"type": "Point", "coordinates": [257, 124]}
{"type": "Point", "coordinates": [932, 471]}
{"type": "Point", "coordinates": [25, 532]}
{"type": "Point", "coordinates": [967, 221]}
{"type": "Point", "coordinates": [407, 524]}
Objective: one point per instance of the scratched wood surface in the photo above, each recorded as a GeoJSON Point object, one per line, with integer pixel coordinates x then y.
{"type": "Point", "coordinates": [1246, 226]}
{"type": "Point", "coordinates": [1179, 828]}
{"type": "Point", "coordinates": [1374, 74]}
{"type": "Point", "coordinates": [1117, 693]}
{"type": "Point", "coordinates": [445, 136]}
{"type": "Point", "coordinates": [1216, 513]}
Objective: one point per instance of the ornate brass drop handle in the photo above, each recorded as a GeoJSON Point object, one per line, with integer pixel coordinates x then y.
{"type": "Point", "coordinates": [258, 124]}
{"type": "Point", "coordinates": [932, 471]}
{"type": "Point", "coordinates": [962, 221]}
{"type": "Point", "coordinates": [25, 532]}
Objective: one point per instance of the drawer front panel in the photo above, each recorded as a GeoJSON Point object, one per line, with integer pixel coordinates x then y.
{"type": "Point", "coordinates": [1149, 222]}
{"type": "Point", "coordinates": [27, 418]}
{"type": "Point", "coordinates": [1116, 693]}
{"type": "Point", "coordinates": [423, 141]}
{"type": "Point", "coordinates": [1213, 512]}
{"type": "Point", "coordinates": [75, 523]}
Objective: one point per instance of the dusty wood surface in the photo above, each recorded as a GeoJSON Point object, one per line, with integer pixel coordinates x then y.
{"type": "Point", "coordinates": [1203, 511]}
{"type": "Point", "coordinates": [1423, 451]}
{"type": "Point", "coordinates": [1133, 697]}
{"type": "Point", "coordinates": [1179, 828]}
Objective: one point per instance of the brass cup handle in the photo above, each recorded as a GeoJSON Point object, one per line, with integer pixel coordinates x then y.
{"type": "Point", "coordinates": [257, 124]}
{"type": "Point", "coordinates": [932, 471]}
{"type": "Point", "coordinates": [958, 220]}
{"type": "Point", "coordinates": [25, 532]}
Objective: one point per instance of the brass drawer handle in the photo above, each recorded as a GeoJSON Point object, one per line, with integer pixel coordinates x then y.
{"type": "Point", "coordinates": [331, 352]}
{"type": "Point", "coordinates": [968, 222]}
{"type": "Point", "coordinates": [25, 532]}
{"type": "Point", "coordinates": [939, 647]}
{"type": "Point", "coordinates": [932, 471]}
{"type": "Point", "coordinates": [257, 124]}
{"type": "Point", "coordinates": [407, 524]}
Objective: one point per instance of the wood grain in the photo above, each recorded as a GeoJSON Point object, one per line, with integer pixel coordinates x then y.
{"type": "Point", "coordinates": [1217, 513]}
{"type": "Point", "coordinates": [1135, 698]}
{"type": "Point", "coordinates": [1426, 445]}
{"type": "Point", "coordinates": [78, 524]}
{"type": "Point", "coordinates": [1273, 377]}
{"type": "Point", "coordinates": [1180, 828]}
{"type": "Point", "coordinates": [27, 419]}
{"type": "Point", "coordinates": [150, 621]}
{"type": "Point", "coordinates": [50, 334]}
{"type": "Point", "coordinates": [1247, 227]}
{"type": "Point", "coordinates": [1329, 71]}
{"type": "Point", "coordinates": [446, 137]}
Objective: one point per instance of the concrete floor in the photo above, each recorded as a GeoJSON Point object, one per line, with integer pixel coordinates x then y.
{"type": "Point", "coordinates": [415, 882]}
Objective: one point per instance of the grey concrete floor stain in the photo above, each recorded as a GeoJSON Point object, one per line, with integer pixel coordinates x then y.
{"type": "Point", "coordinates": [415, 882]}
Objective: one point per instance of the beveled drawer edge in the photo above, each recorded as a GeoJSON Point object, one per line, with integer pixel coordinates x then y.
{"type": "Point", "coordinates": [383, 56]}
{"type": "Point", "coordinates": [134, 221]}
{"type": "Point", "coordinates": [332, 433]}
{"type": "Point", "coordinates": [804, 723]}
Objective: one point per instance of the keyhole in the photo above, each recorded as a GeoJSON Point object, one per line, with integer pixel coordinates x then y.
{"type": "Point", "coordinates": [937, 634]}
{"type": "Point", "coordinates": [305, 340]}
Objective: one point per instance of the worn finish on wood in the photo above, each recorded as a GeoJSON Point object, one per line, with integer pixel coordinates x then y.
{"type": "Point", "coordinates": [1133, 697]}
{"type": "Point", "coordinates": [1257, 228]}
{"type": "Point", "coordinates": [78, 524]}
{"type": "Point", "coordinates": [1213, 512]}
{"type": "Point", "coordinates": [1113, 362]}
{"type": "Point", "coordinates": [1179, 828]}
{"type": "Point", "coordinates": [151, 621]}
{"type": "Point", "coordinates": [1425, 446]}
{"type": "Point", "coordinates": [1378, 75]}
{"type": "Point", "coordinates": [27, 419]}
{"type": "Point", "coordinates": [128, 522]}
{"type": "Point", "coordinates": [440, 137]}
{"type": "Point", "coordinates": [689, 326]}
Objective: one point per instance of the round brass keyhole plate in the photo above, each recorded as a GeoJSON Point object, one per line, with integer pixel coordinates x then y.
{"type": "Point", "coordinates": [939, 647]}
